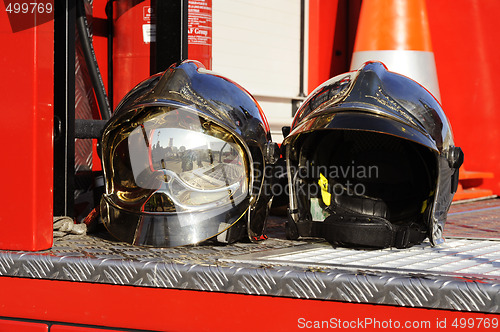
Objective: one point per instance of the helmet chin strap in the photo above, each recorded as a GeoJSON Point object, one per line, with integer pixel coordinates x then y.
{"type": "Point", "coordinates": [356, 230]}
{"type": "Point", "coordinates": [373, 232]}
{"type": "Point", "coordinates": [350, 228]}
{"type": "Point", "coordinates": [362, 221]}
{"type": "Point", "coordinates": [346, 226]}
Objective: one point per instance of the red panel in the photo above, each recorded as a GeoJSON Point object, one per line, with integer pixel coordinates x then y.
{"type": "Point", "coordinates": [183, 310]}
{"type": "Point", "coordinates": [467, 50]}
{"type": "Point", "coordinates": [26, 85]}
{"type": "Point", "coordinates": [14, 326]}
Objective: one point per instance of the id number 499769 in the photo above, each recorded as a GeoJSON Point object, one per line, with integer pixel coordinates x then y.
{"type": "Point", "coordinates": [470, 323]}
{"type": "Point", "coordinates": [29, 7]}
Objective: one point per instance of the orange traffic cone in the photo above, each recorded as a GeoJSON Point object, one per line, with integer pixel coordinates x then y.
{"type": "Point", "coordinates": [396, 32]}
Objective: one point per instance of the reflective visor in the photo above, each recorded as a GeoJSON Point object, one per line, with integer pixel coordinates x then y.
{"type": "Point", "coordinates": [178, 178]}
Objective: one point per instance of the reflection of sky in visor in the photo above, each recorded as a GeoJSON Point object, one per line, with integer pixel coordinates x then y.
{"type": "Point", "coordinates": [199, 159]}
{"type": "Point", "coordinates": [169, 137]}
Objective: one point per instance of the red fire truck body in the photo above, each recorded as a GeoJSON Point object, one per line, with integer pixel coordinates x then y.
{"type": "Point", "coordinates": [94, 283]}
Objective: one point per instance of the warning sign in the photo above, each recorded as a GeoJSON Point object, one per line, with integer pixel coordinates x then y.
{"type": "Point", "coordinates": [200, 22]}
{"type": "Point", "coordinates": [148, 15]}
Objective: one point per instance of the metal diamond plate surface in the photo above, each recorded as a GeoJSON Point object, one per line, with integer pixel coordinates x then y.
{"type": "Point", "coordinates": [461, 275]}
{"type": "Point", "coordinates": [230, 269]}
{"type": "Point", "coordinates": [85, 108]}
{"type": "Point", "coordinates": [457, 257]}
{"type": "Point", "coordinates": [85, 104]}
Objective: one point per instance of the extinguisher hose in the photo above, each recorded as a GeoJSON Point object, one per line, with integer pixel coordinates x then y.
{"type": "Point", "coordinates": [91, 61]}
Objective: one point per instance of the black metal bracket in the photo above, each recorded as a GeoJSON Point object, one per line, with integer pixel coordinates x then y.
{"type": "Point", "coordinates": [171, 33]}
{"type": "Point", "coordinates": [64, 106]}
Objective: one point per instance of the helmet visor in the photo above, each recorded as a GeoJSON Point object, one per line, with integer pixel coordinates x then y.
{"type": "Point", "coordinates": [170, 168]}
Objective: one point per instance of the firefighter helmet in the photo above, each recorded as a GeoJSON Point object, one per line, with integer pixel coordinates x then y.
{"type": "Point", "coordinates": [183, 158]}
{"type": "Point", "coordinates": [371, 162]}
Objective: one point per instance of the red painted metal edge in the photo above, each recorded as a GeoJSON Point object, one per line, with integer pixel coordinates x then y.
{"type": "Point", "coordinates": [184, 310]}
{"type": "Point", "coordinates": [469, 185]}
{"type": "Point", "coordinates": [65, 328]}
{"type": "Point", "coordinates": [10, 325]}
{"type": "Point", "coordinates": [471, 193]}
{"type": "Point", "coordinates": [467, 175]}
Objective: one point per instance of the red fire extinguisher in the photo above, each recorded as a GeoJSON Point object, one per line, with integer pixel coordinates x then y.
{"type": "Point", "coordinates": [133, 33]}
{"type": "Point", "coordinates": [134, 37]}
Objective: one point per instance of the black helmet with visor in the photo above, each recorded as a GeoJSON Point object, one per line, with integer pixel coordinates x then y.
{"type": "Point", "coordinates": [371, 162]}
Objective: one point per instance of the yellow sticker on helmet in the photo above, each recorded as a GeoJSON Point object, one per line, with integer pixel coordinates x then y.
{"type": "Point", "coordinates": [325, 195]}
{"type": "Point", "coordinates": [424, 206]}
